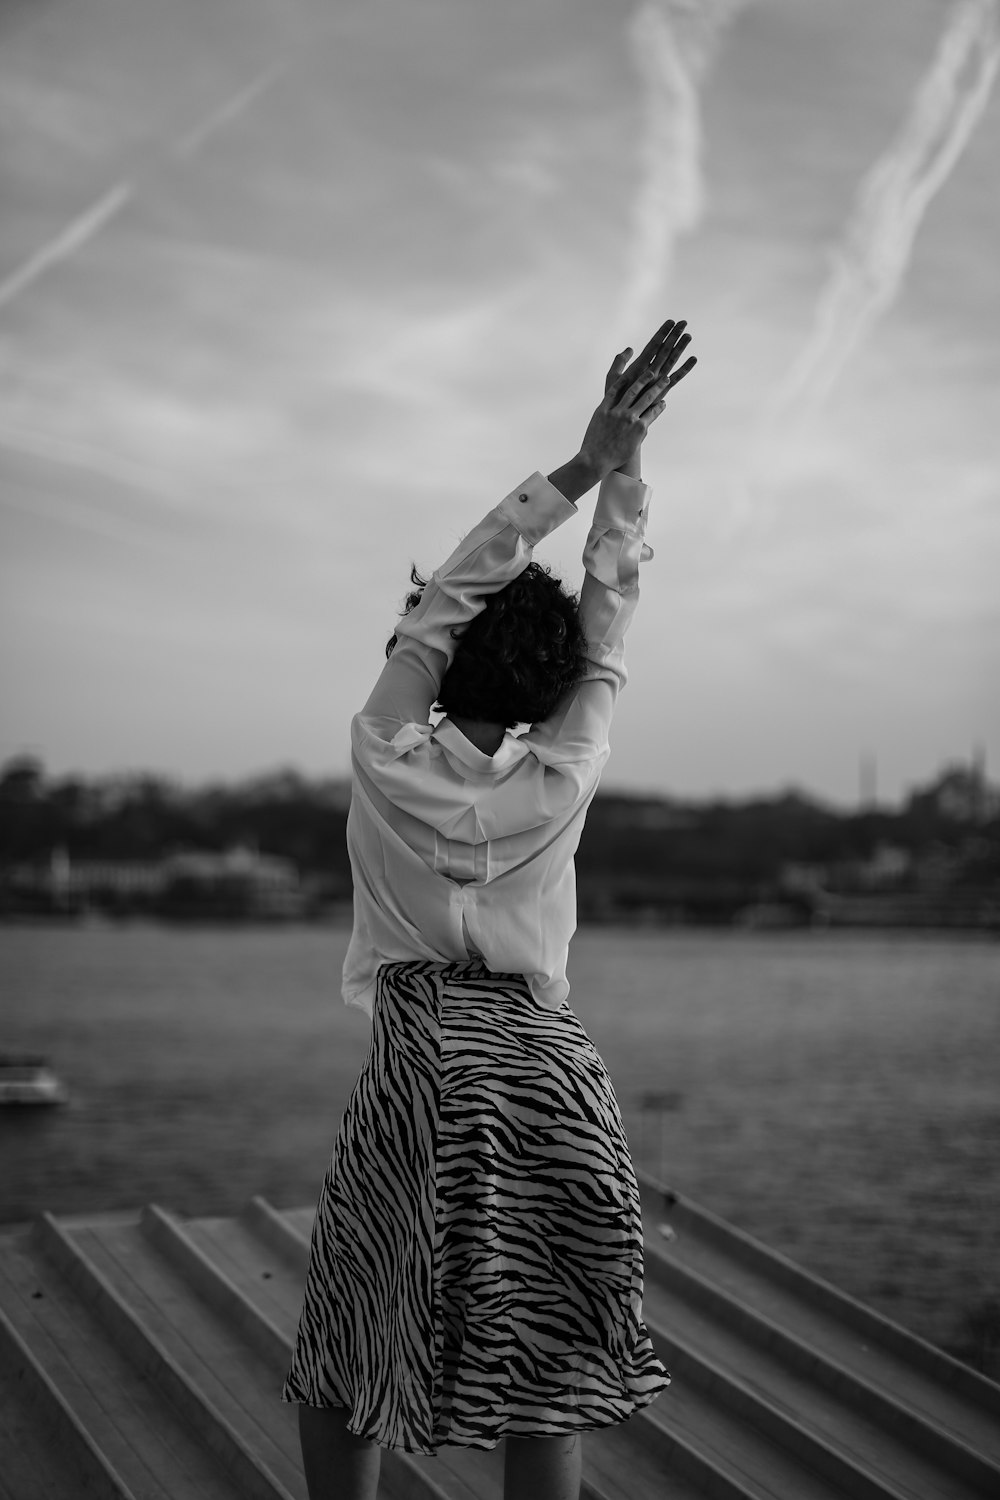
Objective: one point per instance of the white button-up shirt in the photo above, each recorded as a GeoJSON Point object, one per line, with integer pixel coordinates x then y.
{"type": "Point", "coordinates": [455, 852]}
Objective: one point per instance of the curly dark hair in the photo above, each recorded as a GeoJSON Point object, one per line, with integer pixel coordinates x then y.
{"type": "Point", "coordinates": [517, 657]}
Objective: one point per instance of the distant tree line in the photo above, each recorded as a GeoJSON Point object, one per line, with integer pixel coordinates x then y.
{"type": "Point", "coordinates": [141, 817]}
{"type": "Point", "coordinates": [707, 857]}
{"type": "Point", "coordinates": [753, 839]}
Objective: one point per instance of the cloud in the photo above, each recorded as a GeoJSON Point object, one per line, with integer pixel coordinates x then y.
{"type": "Point", "coordinates": [65, 452]}
{"type": "Point", "coordinates": [523, 168]}
{"type": "Point", "coordinates": [273, 416]}
{"type": "Point", "coordinates": [870, 264]}
{"type": "Point", "coordinates": [70, 113]}
{"type": "Point", "coordinates": [672, 45]}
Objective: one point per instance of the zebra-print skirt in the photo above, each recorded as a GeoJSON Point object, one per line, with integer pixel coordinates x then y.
{"type": "Point", "coordinates": [475, 1266]}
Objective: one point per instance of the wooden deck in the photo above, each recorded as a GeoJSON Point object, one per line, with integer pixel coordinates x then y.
{"type": "Point", "coordinates": [141, 1356]}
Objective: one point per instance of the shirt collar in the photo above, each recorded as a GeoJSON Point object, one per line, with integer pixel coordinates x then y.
{"type": "Point", "coordinates": [457, 747]}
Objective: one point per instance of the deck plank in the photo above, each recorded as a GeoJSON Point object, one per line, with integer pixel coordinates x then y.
{"type": "Point", "coordinates": [126, 1415]}
{"type": "Point", "coordinates": [32, 1467]}
{"type": "Point", "coordinates": [793, 1311]}
{"type": "Point", "coordinates": [793, 1394]}
{"type": "Point", "coordinates": [204, 1347]}
{"type": "Point", "coordinates": [704, 1437]}
{"type": "Point", "coordinates": [253, 1267]}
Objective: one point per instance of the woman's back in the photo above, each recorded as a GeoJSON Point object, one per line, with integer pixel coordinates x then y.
{"type": "Point", "coordinates": [454, 850]}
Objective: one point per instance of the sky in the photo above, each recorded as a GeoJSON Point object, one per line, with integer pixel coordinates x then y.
{"type": "Point", "coordinates": [291, 295]}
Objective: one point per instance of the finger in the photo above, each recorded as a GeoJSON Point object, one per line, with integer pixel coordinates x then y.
{"type": "Point", "coordinates": [674, 347]}
{"type": "Point", "coordinates": [618, 384]}
{"type": "Point", "coordinates": [662, 351]}
{"type": "Point", "coordinates": [671, 340]}
{"type": "Point", "coordinates": [653, 347]}
{"type": "Point", "coordinates": [654, 394]}
{"type": "Point", "coordinates": [639, 391]}
{"type": "Point", "coordinates": [617, 366]}
{"type": "Point", "coordinates": [651, 397]}
{"type": "Point", "coordinates": [679, 374]}
{"type": "Point", "coordinates": [650, 354]}
{"type": "Point", "coordinates": [672, 378]}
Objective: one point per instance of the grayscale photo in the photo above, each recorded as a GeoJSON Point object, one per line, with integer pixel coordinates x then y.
{"type": "Point", "coordinates": [499, 750]}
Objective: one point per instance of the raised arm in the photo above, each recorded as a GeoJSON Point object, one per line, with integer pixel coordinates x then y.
{"type": "Point", "coordinates": [576, 736]}
{"type": "Point", "coordinates": [500, 547]}
{"type": "Point", "coordinates": [487, 559]}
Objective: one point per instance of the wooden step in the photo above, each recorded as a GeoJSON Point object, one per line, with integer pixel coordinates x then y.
{"type": "Point", "coordinates": [45, 1450]}
{"type": "Point", "coordinates": [208, 1372]}
{"type": "Point", "coordinates": [754, 1390]}
{"type": "Point", "coordinates": [611, 1455]}
{"type": "Point", "coordinates": [813, 1412]}
{"type": "Point", "coordinates": [947, 1392]}
{"type": "Point", "coordinates": [261, 1239]}
{"type": "Point", "coordinates": [759, 1323]}
{"type": "Point", "coordinates": [686, 1455]}
{"type": "Point", "coordinates": [142, 1355]}
{"type": "Point", "coordinates": [132, 1429]}
{"type": "Point", "coordinates": [194, 1247]}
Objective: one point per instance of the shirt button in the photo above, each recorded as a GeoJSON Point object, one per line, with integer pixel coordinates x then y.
{"type": "Point", "coordinates": [523, 498]}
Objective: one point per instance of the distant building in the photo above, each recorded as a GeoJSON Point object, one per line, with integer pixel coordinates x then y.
{"type": "Point", "coordinates": [237, 882]}
{"type": "Point", "coordinates": [99, 877]}
{"type": "Point", "coordinates": [963, 794]}
{"type": "Point", "coordinates": [887, 866]}
{"type": "Point", "coordinates": [795, 876]}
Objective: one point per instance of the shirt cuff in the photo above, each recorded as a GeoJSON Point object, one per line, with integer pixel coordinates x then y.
{"type": "Point", "coordinates": [535, 508]}
{"type": "Point", "coordinates": [622, 504]}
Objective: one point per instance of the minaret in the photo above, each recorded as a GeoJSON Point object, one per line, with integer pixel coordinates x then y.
{"type": "Point", "coordinates": [867, 780]}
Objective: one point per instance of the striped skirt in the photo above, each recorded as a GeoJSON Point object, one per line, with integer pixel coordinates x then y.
{"type": "Point", "coordinates": [475, 1267]}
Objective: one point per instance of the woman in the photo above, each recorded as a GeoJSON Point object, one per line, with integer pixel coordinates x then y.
{"type": "Point", "coordinates": [475, 1268]}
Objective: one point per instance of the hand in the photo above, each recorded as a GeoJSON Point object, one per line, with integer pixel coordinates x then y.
{"type": "Point", "coordinates": [664, 342]}
{"type": "Point", "coordinates": [634, 396]}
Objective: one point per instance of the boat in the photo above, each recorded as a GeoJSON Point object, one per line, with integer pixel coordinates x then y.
{"type": "Point", "coordinates": [27, 1078]}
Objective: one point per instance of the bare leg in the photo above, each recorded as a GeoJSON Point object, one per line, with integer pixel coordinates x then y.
{"type": "Point", "coordinates": [543, 1468]}
{"type": "Point", "coordinates": [338, 1465]}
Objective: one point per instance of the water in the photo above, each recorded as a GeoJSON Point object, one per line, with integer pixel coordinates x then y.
{"type": "Point", "coordinates": [833, 1093]}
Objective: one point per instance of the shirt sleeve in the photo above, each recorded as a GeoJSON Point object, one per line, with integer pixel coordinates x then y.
{"type": "Point", "coordinates": [578, 730]}
{"type": "Point", "coordinates": [492, 554]}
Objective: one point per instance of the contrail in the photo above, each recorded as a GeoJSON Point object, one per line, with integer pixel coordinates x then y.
{"type": "Point", "coordinates": [672, 44]}
{"type": "Point", "coordinates": [187, 145]}
{"type": "Point", "coordinates": [893, 198]}
{"type": "Point", "coordinates": [94, 219]}
{"type": "Point", "coordinates": [870, 265]}
{"type": "Point", "coordinates": [67, 243]}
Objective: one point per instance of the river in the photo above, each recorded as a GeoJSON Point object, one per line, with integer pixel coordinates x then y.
{"type": "Point", "coordinates": [834, 1093]}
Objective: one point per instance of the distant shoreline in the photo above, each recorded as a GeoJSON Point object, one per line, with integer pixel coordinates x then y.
{"type": "Point", "coordinates": [640, 921]}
